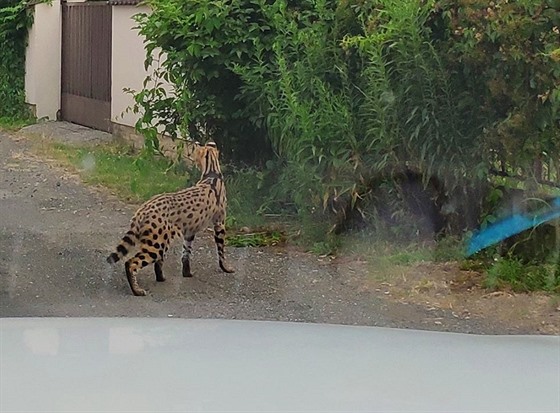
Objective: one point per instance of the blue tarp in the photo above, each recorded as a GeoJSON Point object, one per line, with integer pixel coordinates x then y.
{"type": "Point", "coordinates": [510, 226]}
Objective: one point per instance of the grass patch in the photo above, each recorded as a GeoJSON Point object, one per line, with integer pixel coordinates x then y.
{"type": "Point", "coordinates": [312, 231]}
{"type": "Point", "coordinates": [526, 262]}
{"type": "Point", "coordinates": [14, 123]}
{"type": "Point", "coordinates": [384, 259]}
{"type": "Point", "coordinates": [259, 239]}
{"type": "Point", "coordinates": [386, 263]}
{"type": "Point", "coordinates": [512, 273]}
{"type": "Point", "coordinates": [118, 168]}
{"type": "Point", "coordinates": [327, 247]}
{"type": "Point", "coordinates": [449, 249]}
{"type": "Point", "coordinates": [387, 260]}
{"type": "Point", "coordinates": [369, 246]}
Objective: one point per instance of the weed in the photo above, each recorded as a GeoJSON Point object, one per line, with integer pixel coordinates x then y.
{"type": "Point", "coordinates": [14, 123]}
{"type": "Point", "coordinates": [259, 239]}
{"type": "Point", "coordinates": [312, 231]}
{"type": "Point", "coordinates": [510, 272]}
{"type": "Point", "coordinates": [385, 259]}
{"type": "Point", "coordinates": [328, 247]}
{"type": "Point", "coordinates": [477, 265]}
{"type": "Point", "coordinates": [15, 21]}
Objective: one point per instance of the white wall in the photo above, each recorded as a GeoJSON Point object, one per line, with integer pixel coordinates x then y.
{"type": "Point", "coordinates": [43, 60]}
{"type": "Point", "coordinates": [128, 62]}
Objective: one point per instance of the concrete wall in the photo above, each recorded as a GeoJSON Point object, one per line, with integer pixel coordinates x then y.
{"type": "Point", "coordinates": [43, 61]}
{"type": "Point", "coordinates": [128, 73]}
{"type": "Point", "coordinates": [128, 63]}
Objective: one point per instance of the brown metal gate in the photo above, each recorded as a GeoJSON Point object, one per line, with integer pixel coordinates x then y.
{"type": "Point", "coordinates": [86, 64]}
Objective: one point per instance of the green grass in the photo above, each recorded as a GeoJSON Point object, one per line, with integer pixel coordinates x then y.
{"type": "Point", "coordinates": [449, 249]}
{"type": "Point", "coordinates": [259, 239]}
{"type": "Point", "coordinates": [384, 258]}
{"type": "Point", "coordinates": [14, 123]}
{"type": "Point", "coordinates": [373, 247]}
{"type": "Point", "coordinates": [523, 263]}
{"type": "Point", "coordinates": [131, 177]}
{"type": "Point", "coordinates": [512, 273]}
{"type": "Point", "coordinates": [383, 265]}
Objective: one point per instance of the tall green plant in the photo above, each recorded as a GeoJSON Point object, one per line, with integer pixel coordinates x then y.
{"type": "Point", "coordinates": [354, 92]}
{"type": "Point", "coordinates": [14, 25]}
{"type": "Point", "coordinates": [305, 99]}
{"type": "Point", "coordinates": [405, 81]}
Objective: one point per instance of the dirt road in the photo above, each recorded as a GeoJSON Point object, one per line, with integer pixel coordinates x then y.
{"type": "Point", "coordinates": [55, 234]}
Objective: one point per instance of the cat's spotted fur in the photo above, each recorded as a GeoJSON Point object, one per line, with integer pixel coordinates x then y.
{"type": "Point", "coordinates": [182, 214]}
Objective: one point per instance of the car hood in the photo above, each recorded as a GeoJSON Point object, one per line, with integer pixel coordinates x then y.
{"type": "Point", "coordinates": [164, 365]}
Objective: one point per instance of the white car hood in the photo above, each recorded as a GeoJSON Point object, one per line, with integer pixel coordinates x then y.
{"type": "Point", "coordinates": [164, 365]}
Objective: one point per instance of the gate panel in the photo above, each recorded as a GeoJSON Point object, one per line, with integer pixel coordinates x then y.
{"type": "Point", "coordinates": [86, 64]}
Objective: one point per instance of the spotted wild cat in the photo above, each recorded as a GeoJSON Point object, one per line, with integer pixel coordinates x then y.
{"type": "Point", "coordinates": [182, 214]}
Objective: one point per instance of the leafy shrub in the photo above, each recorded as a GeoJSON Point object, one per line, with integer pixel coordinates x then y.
{"type": "Point", "coordinates": [199, 43]}
{"type": "Point", "coordinates": [14, 25]}
{"type": "Point", "coordinates": [506, 55]}
{"type": "Point", "coordinates": [342, 96]}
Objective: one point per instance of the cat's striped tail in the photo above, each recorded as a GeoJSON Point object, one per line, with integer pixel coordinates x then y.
{"type": "Point", "coordinates": [128, 241]}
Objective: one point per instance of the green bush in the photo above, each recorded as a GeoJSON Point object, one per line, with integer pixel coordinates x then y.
{"type": "Point", "coordinates": [15, 21]}
{"type": "Point", "coordinates": [202, 41]}
{"type": "Point", "coordinates": [347, 112]}
{"type": "Point", "coordinates": [506, 55]}
{"type": "Point", "coordinates": [343, 96]}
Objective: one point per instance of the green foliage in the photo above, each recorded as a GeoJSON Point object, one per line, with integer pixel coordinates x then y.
{"type": "Point", "coordinates": [15, 21]}
{"type": "Point", "coordinates": [14, 123]}
{"type": "Point", "coordinates": [313, 230]}
{"type": "Point", "coordinates": [343, 111]}
{"type": "Point", "coordinates": [349, 94]}
{"type": "Point", "coordinates": [507, 55]}
{"type": "Point", "coordinates": [258, 239]}
{"type": "Point", "coordinates": [247, 197]}
{"type": "Point", "coordinates": [512, 273]}
{"type": "Point", "coordinates": [302, 95]}
{"type": "Point", "coordinates": [406, 81]}
{"type": "Point", "coordinates": [526, 262]}
{"type": "Point", "coordinates": [200, 43]}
